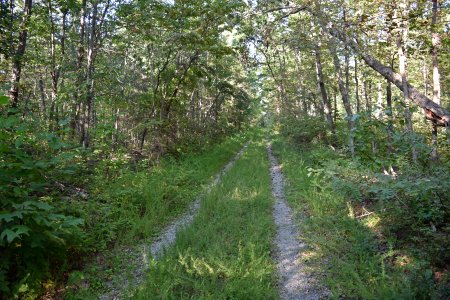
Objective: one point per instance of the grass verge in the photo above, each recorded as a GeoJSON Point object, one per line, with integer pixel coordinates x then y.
{"type": "Point", "coordinates": [360, 253]}
{"type": "Point", "coordinates": [225, 254]}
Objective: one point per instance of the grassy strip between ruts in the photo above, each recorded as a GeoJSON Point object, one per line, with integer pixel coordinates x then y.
{"type": "Point", "coordinates": [348, 250]}
{"type": "Point", "coordinates": [225, 254]}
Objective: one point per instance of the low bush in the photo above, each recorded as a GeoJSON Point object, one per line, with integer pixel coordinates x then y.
{"type": "Point", "coordinates": [304, 130]}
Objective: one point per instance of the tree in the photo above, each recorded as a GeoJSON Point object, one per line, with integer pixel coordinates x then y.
{"type": "Point", "coordinates": [17, 60]}
{"type": "Point", "coordinates": [401, 40]}
{"type": "Point", "coordinates": [323, 91]}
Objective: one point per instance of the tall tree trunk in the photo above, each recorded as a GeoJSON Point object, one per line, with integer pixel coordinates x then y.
{"type": "Point", "coordinates": [53, 71]}
{"type": "Point", "coordinates": [18, 55]}
{"type": "Point", "coordinates": [401, 40]}
{"type": "Point", "coordinates": [192, 105]}
{"type": "Point", "coordinates": [390, 61]}
{"type": "Point", "coordinates": [76, 122]}
{"type": "Point", "coordinates": [379, 111]}
{"type": "Point", "coordinates": [367, 97]}
{"type": "Point", "coordinates": [42, 94]}
{"type": "Point", "coordinates": [323, 91]}
{"type": "Point", "coordinates": [389, 113]}
{"type": "Point", "coordinates": [335, 105]}
{"type": "Point", "coordinates": [88, 108]}
{"type": "Point", "coordinates": [425, 73]}
{"type": "Point", "coordinates": [142, 140]}
{"type": "Point", "coordinates": [358, 103]}
{"type": "Point", "coordinates": [55, 66]}
{"type": "Point", "coordinates": [390, 128]}
{"type": "Point", "coordinates": [436, 41]}
{"type": "Point", "coordinates": [345, 98]}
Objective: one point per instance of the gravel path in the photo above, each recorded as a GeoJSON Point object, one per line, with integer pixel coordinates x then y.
{"type": "Point", "coordinates": [293, 280]}
{"type": "Point", "coordinates": [123, 286]}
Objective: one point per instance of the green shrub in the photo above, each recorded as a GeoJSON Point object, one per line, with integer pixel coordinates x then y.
{"type": "Point", "coordinates": [397, 251]}
{"type": "Point", "coordinates": [34, 235]}
{"type": "Point", "coordinates": [304, 130]}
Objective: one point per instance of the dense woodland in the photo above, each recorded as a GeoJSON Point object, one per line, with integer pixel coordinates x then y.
{"type": "Point", "coordinates": [115, 113]}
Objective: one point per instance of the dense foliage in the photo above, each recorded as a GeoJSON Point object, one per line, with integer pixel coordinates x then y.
{"type": "Point", "coordinates": [115, 113]}
{"type": "Point", "coordinates": [373, 234]}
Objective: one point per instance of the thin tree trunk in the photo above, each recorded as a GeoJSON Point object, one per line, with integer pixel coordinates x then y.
{"type": "Point", "coordinates": [323, 91]}
{"type": "Point", "coordinates": [436, 41]}
{"type": "Point", "coordinates": [379, 108]}
{"type": "Point", "coordinates": [77, 118]}
{"type": "Point", "coordinates": [55, 67]}
{"type": "Point", "coordinates": [142, 141]}
{"type": "Point", "coordinates": [425, 73]}
{"type": "Point", "coordinates": [401, 39]}
{"type": "Point", "coordinates": [115, 137]}
{"type": "Point", "coordinates": [42, 94]}
{"type": "Point", "coordinates": [390, 128]}
{"type": "Point", "coordinates": [358, 104]}
{"type": "Point", "coordinates": [192, 105]}
{"type": "Point", "coordinates": [17, 60]}
{"type": "Point", "coordinates": [88, 111]}
{"type": "Point", "coordinates": [335, 106]}
{"type": "Point", "coordinates": [434, 143]}
{"type": "Point", "coordinates": [367, 87]}
{"type": "Point", "coordinates": [345, 98]}
{"type": "Point", "coordinates": [389, 113]}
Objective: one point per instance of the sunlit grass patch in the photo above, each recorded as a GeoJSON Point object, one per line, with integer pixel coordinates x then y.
{"type": "Point", "coordinates": [225, 254]}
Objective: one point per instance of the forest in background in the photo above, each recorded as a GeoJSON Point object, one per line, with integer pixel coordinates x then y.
{"type": "Point", "coordinates": [101, 99]}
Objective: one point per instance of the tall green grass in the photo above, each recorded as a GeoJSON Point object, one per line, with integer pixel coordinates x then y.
{"type": "Point", "coordinates": [225, 254]}
{"type": "Point", "coordinates": [133, 205]}
{"type": "Point", "coordinates": [137, 205]}
{"type": "Point", "coordinates": [345, 250]}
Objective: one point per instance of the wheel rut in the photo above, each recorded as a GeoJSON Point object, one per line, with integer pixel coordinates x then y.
{"type": "Point", "coordinates": [140, 256]}
{"type": "Point", "coordinates": [293, 279]}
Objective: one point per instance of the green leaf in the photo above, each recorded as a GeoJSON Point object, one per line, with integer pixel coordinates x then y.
{"type": "Point", "coordinates": [41, 220]}
{"type": "Point", "coordinates": [21, 229]}
{"type": "Point", "coordinates": [8, 217]}
{"type": "Point", "coordinates": [3, 100]}
{"type": "Point", "coordinates": [43, 206]}
{"type": "Point", "coordinates": [71, 221]}
{"type": "Point", "coordinates": [9, 234]}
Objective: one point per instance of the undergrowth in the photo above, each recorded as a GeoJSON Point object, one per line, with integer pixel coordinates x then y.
{"type": "Point", "coordinates": [129, 205]}
{"type": "Point", "coordinates": [374, 235]}
{"type": "Point", "coordinates": [135, 204]}
{"type": "Point", "coordinates": [225, 254]}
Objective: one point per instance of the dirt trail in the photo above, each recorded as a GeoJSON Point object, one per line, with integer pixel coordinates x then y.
{"type": "Point", "coordinates": [139, 256]}
{"type": "Point", "coordinates": [293, 280]}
